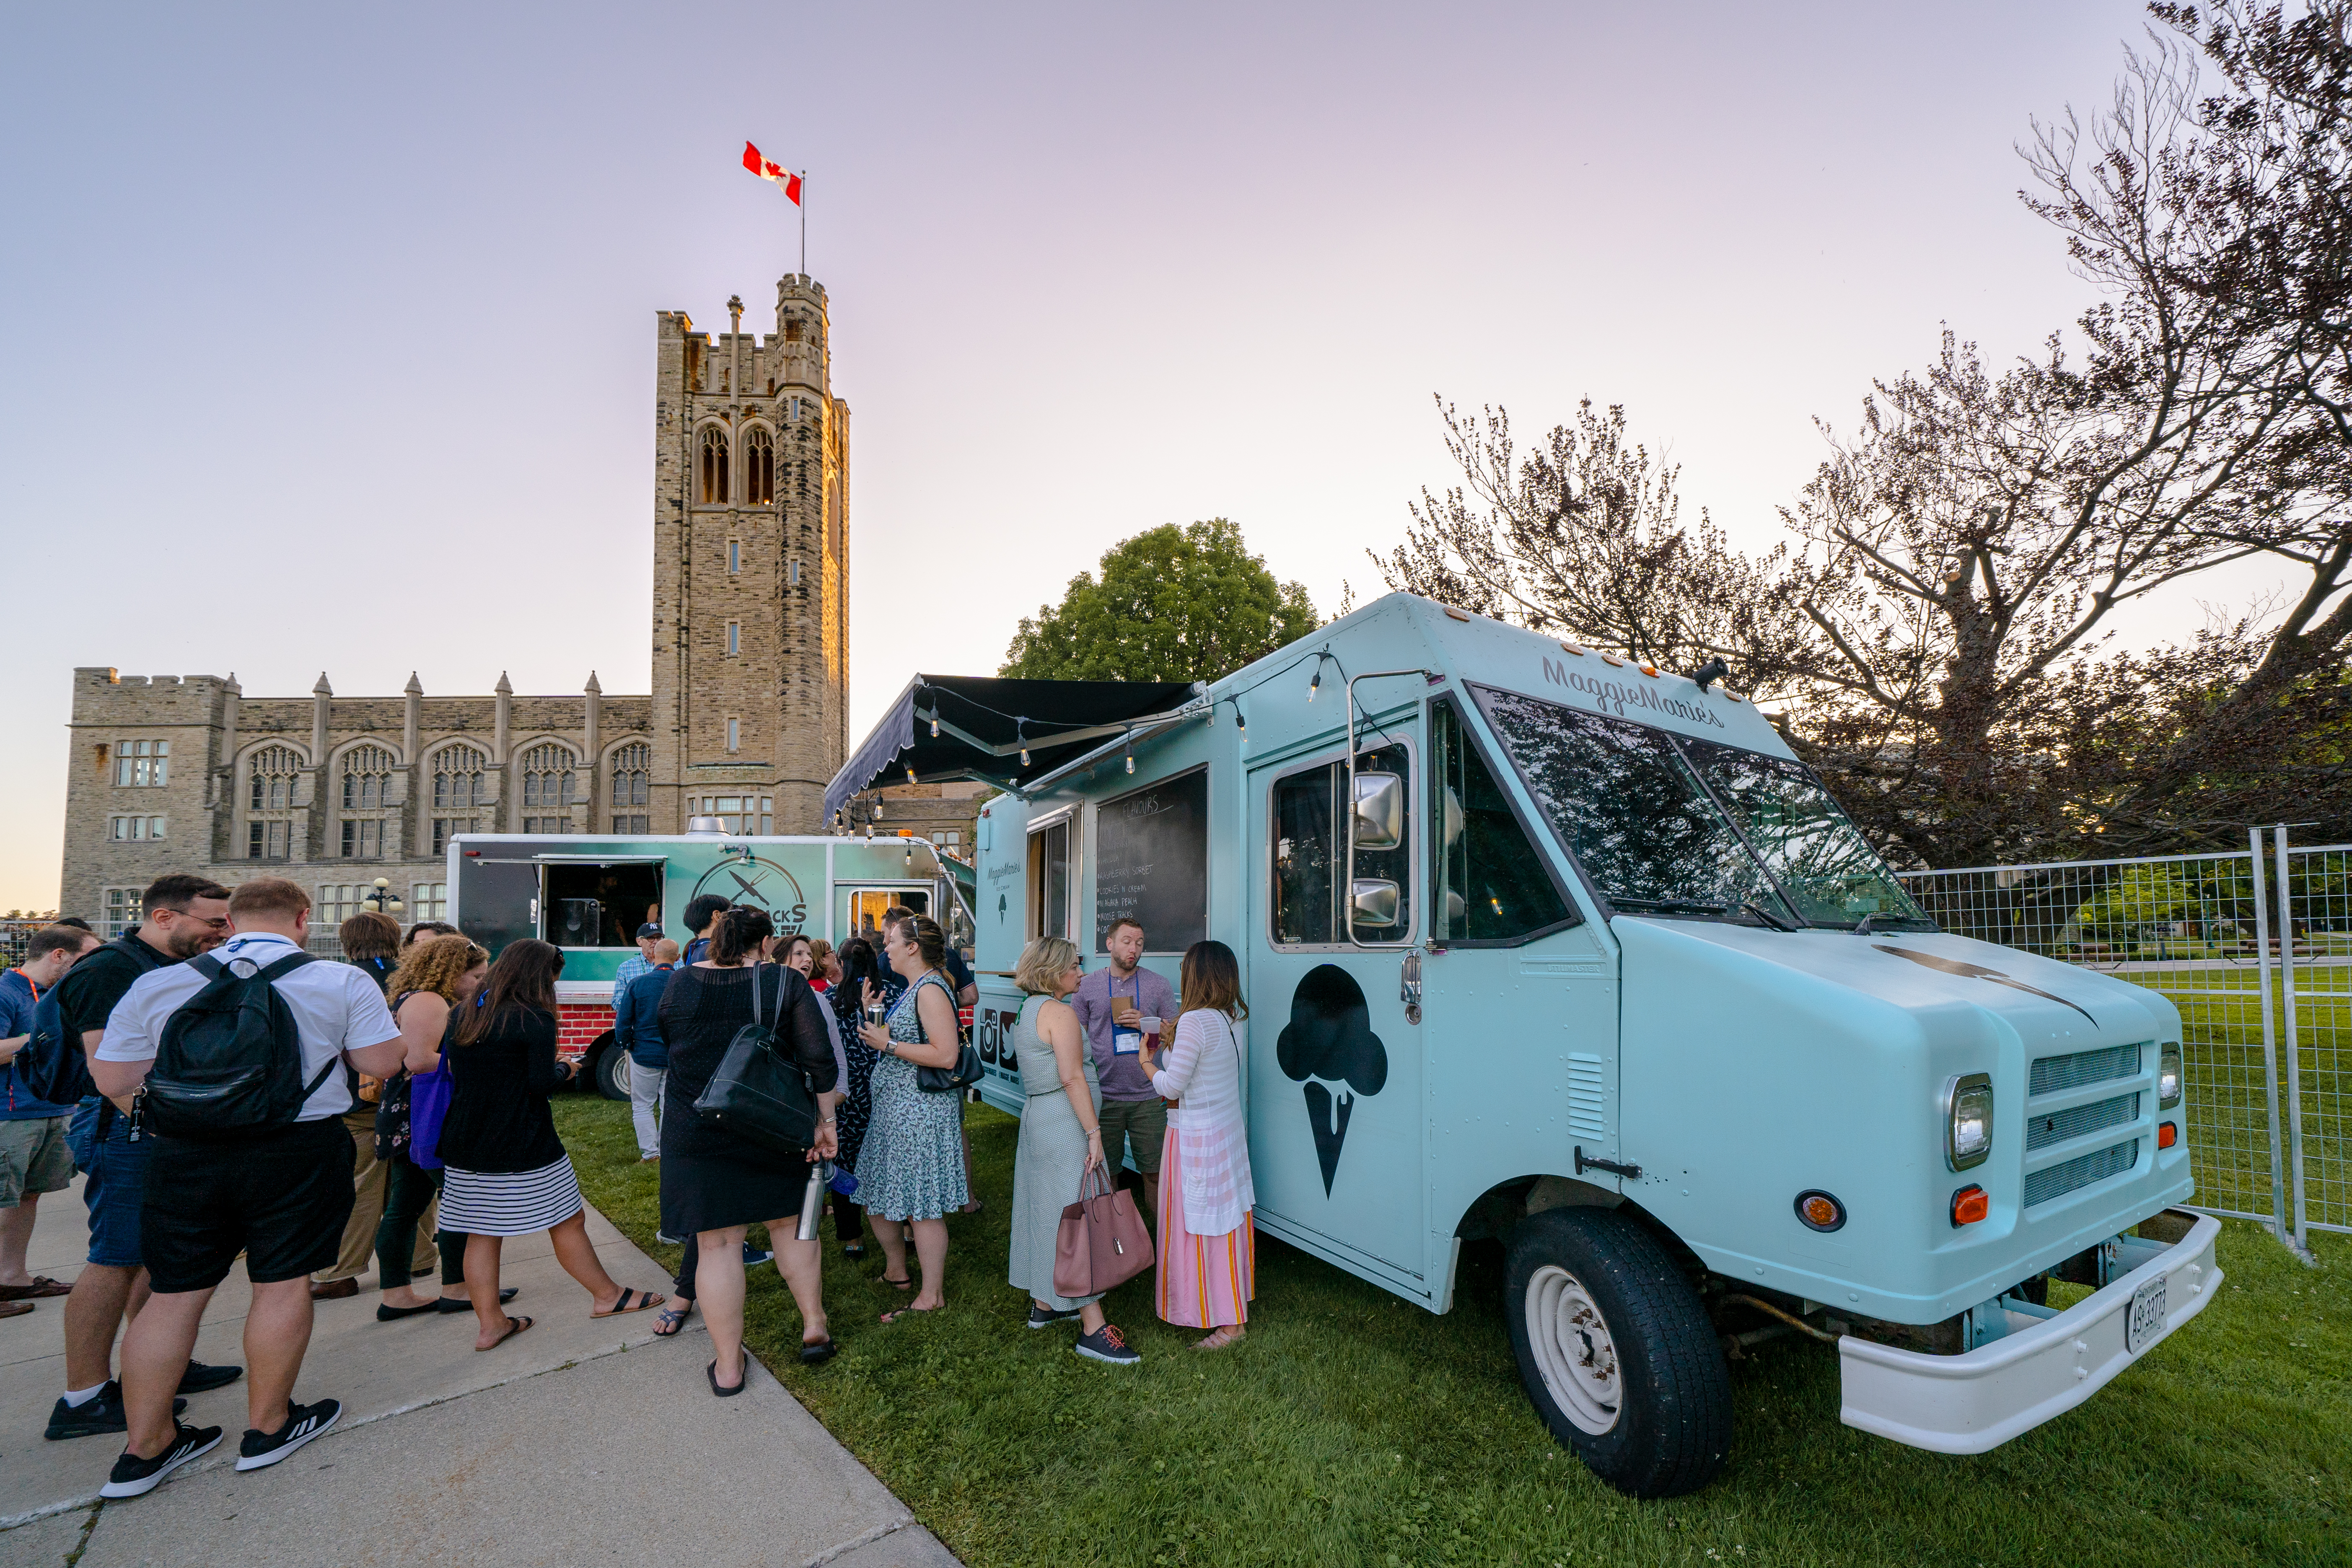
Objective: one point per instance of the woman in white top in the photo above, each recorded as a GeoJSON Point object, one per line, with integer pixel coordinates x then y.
{"type": "Point", "coordinates": [1208, 1248]}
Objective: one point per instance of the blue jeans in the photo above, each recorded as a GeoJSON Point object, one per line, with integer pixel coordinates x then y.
{"type": "Point", "coordinates": [117, 1184]}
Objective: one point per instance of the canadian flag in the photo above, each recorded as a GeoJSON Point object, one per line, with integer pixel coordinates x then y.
{"type": "Point", "coordinates": [769, 169]}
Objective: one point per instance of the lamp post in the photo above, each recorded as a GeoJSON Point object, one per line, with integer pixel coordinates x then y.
{"type": "Point", "coordinates": [381, 901]}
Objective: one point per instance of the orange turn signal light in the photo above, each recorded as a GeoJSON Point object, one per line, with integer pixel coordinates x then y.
{"type": "Point", "coordinates": [1971, 1204]}
{"type": "Point", "coordinates": [1818, 1210]}
{"type": "Point", "coordinates": [2167, 1134]}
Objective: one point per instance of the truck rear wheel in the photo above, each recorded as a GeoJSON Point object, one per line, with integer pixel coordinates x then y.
{"type": "Point", "coordinates": [1616, 1351]}
{"type": "Point", "coordinates": [613, 1073]}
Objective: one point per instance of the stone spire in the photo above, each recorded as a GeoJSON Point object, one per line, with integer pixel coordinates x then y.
{"type": "Point", "coordinates": [504, 691]}
{"type": "Point", "coordinates": [320, 696]}
{"type": "Point", "coordinates": [411, 716]}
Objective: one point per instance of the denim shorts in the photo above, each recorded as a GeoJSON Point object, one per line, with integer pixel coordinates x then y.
{"type": "Point", "coordinates": [117, 1185]}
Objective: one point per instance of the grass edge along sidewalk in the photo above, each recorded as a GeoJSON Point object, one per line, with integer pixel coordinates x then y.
{"type": "Point", "coordinates": [1351, 1427]}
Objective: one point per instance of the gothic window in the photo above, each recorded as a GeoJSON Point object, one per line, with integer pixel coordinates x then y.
{"type": "Point", "coordinates": [271, 776]}
{"type": "Point", "coordinates": [367, 778]}
{"type": "Point", "coordinates": [549, 783]}
{"type": "Point", "coordinates": [457, 777]}
{"type": "Point", "coordinates": [632, 775]}
{"type": "Point", "coordinates": [714, 465]}
{"type": "Point", "coordinates": [275, 769]}
{"type": "Point", "coordinates": [444, 829]}
{"type": "Point", "coordinates": [760, 467]}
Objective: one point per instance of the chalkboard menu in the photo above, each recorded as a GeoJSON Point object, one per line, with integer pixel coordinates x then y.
{"type": "Point", "coordinates": [1151, 862]}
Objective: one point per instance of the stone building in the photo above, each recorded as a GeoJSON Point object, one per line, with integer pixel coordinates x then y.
{"type": "Point", "coordinates": [748, 718]}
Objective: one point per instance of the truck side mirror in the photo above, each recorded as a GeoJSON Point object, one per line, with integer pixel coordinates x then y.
{"type": "Point", "coordinates": [1373, 901]}
{"type": "Point", "coordinates": [1379, 814]}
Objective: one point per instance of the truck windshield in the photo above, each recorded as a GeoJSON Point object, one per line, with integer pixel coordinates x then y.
{"type": "Point", "coordinates": [1631, 811]}
{"type": "Point", "coordinates": [1813, 850]}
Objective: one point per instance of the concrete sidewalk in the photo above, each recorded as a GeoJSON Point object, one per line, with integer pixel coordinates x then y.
{"type": "Point", "coordinates": [581, 1440]}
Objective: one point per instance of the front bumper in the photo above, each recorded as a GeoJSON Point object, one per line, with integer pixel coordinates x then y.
{"type": "Point", "coordinates": [1967, 1404]}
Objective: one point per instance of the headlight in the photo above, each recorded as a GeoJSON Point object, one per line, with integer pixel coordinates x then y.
{"type": "Point", "coordinates": [1968, 1120]}
{"type": "Point", "coordinates": [2168, 1076]}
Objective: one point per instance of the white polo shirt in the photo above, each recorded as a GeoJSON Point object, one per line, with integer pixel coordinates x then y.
{"type": "Point", "coordinates": [336, 1008]}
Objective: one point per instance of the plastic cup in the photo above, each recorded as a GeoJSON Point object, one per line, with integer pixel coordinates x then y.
{"type": "Point", "coordinates": [1151, 1028]}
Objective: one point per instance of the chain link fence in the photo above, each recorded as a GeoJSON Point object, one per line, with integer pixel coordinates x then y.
{"type": "Point", "coordinates": [2254, 947]}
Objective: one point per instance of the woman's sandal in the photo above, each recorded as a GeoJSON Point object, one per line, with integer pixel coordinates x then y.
{"type": "Point", "coordinates": [711, 1371]}
{"type": "Point", "coordinates": [1218, 1339]}
{"type": "Point", "coordinates": [906, 1284]}
{"type": "Point", "coordinates": [514, 1327]}
{"type": "Point", "coordinates": [645, 1298]}
{"type": "Point", "coordinates": [893, 1317]}
{"type": "Point", "coordinates": [820, 1352]}
{"type": "Point", "coordinates": [670, 1319]}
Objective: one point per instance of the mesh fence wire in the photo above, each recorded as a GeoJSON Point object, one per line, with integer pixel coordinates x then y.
{"type": "Point", "coordinates": [2316, 989]}
{"type": "Point", "coordinates": [2195, 928]}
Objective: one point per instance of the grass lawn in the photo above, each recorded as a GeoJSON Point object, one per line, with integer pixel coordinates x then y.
{"type": "Point", "coordinates": [1352, 1428]}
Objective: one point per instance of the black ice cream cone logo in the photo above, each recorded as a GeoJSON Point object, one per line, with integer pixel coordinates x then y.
{"type": "Point", "coordinates": [1329, 1036]}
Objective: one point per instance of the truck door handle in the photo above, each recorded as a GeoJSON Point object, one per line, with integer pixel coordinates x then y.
{"type": "Point", "coordinates": [1408, 987]}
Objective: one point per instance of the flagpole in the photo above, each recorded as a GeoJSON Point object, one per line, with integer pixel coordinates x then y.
{"type": "Point", "coordinates": [802, 205]}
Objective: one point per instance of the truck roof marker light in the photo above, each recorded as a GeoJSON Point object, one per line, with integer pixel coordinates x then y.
{"type": "Point", "coordinates": [1818, 1210]}
{"type": "Point", "coordinates": [2167, 1133]}
{"type": "Point", "coordinates": [1577, 648]}
{"type": "Point", "coordinates": [1731, 696]}
{"type": "Point", "coordinates": [1970, 1205]}
{"type": "Point", "coordinates": [1651, 670]}
{"type": "Point", "coordinates": [1613, 662]}
{"type": "Point", "coordinates": [1458, 614]}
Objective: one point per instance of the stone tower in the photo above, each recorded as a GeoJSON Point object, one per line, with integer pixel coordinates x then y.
{"type": "Point", "coordinates": [750, 623]}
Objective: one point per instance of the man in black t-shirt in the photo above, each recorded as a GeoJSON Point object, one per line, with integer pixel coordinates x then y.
{"type": "Point", "coordinates": [184, 916]}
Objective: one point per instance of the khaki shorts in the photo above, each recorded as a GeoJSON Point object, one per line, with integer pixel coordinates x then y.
{"type": "Point", "coordinates": [1140, 1123]}
{"type": "Point", "coordinates": [33, 1159]}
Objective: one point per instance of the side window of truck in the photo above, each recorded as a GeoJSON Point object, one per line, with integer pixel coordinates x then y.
{"type": "Point", "coordinates": [1310, 848]}
{"type": "Point", "coordinates": [1487, 882]}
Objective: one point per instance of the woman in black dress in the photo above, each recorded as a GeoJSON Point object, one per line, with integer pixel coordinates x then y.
{"type": "Point", "coordinates": [857, 967]}
{"type": "Point", "coordinates": [715, 1184]}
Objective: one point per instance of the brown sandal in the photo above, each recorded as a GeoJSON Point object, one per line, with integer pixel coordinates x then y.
{"type": "Point", "coordinates": [514, 1327]}
{"type": "Point", "coordinates": [644, 1300]}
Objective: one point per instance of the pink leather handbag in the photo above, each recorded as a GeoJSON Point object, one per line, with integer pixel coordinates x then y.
{"type": "Point", "coordinates": [1102, 1243]}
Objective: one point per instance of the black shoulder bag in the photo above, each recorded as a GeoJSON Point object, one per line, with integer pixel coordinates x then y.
{"type": "Point", "coordinates": [967, 1070]}
{"type": "Point", "coordinates": [757, 1092]}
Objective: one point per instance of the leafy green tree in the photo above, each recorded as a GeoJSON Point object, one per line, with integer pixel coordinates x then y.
{"type": "Point", "coordinates": [1187, 603]}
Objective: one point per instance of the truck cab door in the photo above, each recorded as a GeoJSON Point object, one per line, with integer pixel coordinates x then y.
{"type": "Point", "coordinates": [1337, 1121]}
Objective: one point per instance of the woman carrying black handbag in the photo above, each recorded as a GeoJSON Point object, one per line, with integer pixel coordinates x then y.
{"type": "Point", "coordinates": [716, 1181]}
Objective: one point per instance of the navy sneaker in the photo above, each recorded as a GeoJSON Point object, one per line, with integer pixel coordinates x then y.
{"type": "Point", "coordinates": [303, 1421]}
{"type": "Point", "coordinates": [99, 1414]}
{"type": "Point", "coordinates": [135, 1476]}
{"type": "Point", "coordinates": [753, 1257]}
{"type": "Point", "coordinates": [1108, 1345]}
{"type": "Point", "coordinates": [1046, 1317]}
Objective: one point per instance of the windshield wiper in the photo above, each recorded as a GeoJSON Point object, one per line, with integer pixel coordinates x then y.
{"type": "Point", "coordinates": [1869, 922]}
{"type": "Point", "coordinates": [1752, 908]}
{"type": "Point", "coordinates": [1669, 906]}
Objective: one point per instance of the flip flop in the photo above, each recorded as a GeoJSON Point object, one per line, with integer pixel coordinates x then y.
{"type": "Point", "coordinates": [14, 1309]}
{"type": "Point", "coordinates": [711, 1371]}
{"type": "Point", "coordinates": [645, 1298]}
{"type": "Point", "coordinates": [819, 1354]}
{"type": "Point", "coordinates": [670, 1319]}
{"type": "Point", "coordinates": [893, 1317]}
{"type": "Point", "coordinates": [519, 1324]}
{"type": "Point", "coordinates": [906, 1284]}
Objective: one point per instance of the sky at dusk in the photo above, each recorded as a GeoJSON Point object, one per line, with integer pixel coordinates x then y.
{"type": "Point", "coordinates": [330, 331]}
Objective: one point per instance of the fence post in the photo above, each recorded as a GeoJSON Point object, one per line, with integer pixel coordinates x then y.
{"type": "Point", "coordinates": [2293, 1053]}
{"type": "Point", "coordinates": [2280, 1226]}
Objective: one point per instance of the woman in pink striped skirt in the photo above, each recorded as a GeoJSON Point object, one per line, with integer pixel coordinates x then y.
{"type": "Point", "coordinates": [1208, 1248]}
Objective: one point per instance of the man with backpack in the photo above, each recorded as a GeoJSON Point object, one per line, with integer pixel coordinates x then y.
{"type": "Point", "coordinates": [235, 1062]}
{"type": "Point", "coordinates": [32, 1156]}
{"type": "Point", "coordinates": [180, 916]}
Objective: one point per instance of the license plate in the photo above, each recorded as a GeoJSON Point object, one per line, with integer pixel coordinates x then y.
{"type": "Point", "coordinates": [2146, 1319]}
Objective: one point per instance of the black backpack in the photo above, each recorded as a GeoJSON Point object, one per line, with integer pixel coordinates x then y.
{"type": "Point", "coordinates": [53, 1065]}
{"type": "Point", "coordinates": [229, 1066]}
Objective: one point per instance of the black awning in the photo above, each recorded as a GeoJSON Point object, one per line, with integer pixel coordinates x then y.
{"type": "Point", "coordinates": [984, 724]}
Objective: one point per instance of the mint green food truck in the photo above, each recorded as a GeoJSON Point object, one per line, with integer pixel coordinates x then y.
{"type": "Point", "coordinates": [1544, 947]}
{"type": "Point", "coordinates": [589, 895]}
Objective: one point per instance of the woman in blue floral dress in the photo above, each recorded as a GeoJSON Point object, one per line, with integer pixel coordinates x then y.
{"type": "Point", "coordinates": [911, 1168]}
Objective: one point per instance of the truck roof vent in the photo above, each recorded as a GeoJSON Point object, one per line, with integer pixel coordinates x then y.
{"type": "Point", "coordinates": [710, 825]}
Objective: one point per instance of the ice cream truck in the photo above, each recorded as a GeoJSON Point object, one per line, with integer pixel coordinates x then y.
{"type": "Point", "coordinates": [1547, 947]}
{"type": "Point", "coordinates": [589, 895]}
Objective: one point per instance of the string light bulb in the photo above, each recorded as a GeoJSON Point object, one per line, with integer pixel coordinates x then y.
{"type": "Point", "coordinates": [935, 726]}
{"type": "Point", "coordinates": [1315, 685]}
{"type": "Point", "coordinates": [911, 775]}
{"type": "Point", "coordinates": [1241, 724]}
{"type": "Point", "coordinates": [1021, 734]}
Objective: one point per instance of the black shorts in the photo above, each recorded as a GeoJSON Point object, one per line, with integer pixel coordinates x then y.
{"type": "Point", "coordinates": [280, 1200]}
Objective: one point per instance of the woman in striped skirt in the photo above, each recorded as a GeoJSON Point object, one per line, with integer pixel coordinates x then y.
{"type": "Point", "coordinates": [1208, 1248]}
{"type": "Point", "coordinates": [506, 1172]}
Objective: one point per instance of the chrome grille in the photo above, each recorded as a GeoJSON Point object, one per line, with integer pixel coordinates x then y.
{"type": "Point", "coordinates": [2059, 1126]}
{"type": "Point", "coordinates": [2054, 1075]}
{"type": "Point", "coordinates": [2096, 1166]}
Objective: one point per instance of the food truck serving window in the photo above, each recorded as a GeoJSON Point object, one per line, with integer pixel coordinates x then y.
{"type": "Point", "coordinates": [1488, 883]}
{"type": "Point", "coordinates": [589, 904]}
{"type": "Point", "coordinates": [1630, 808]}
{"type": "Point", "coordinates": [1310, 845]}
{"type": "Point", "coordinates": [1049, 879]}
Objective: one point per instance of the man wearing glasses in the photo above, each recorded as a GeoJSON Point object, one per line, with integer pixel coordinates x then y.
{"type": "Point", "coordinates": [184, 916]}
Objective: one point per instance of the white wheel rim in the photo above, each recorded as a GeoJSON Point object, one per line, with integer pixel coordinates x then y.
{"type": "Point", "coordinates": [1573, 1350]}
{"type": "Point", "coordinates": [621, 1072]}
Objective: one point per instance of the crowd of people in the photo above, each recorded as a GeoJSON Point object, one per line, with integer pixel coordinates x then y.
{"type": "Point", "coordinates": [240, 1095]}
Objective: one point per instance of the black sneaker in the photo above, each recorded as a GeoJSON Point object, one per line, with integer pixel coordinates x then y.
{"type": "Point", "coordinates": [99, 1414]}
{"type": "Point", "coordinates": [1108, 1345]}
{"type": "Point", "coordinates": [1046, 1317]}
{"type": "Point", "coordinates": [135, 1476]}
{"type": "Point", "coordinates": [199, 1377]}
{"type": "Point", "coordinates": [303, 1421]}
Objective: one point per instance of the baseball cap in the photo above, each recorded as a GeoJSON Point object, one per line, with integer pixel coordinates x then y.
{"type": "Point", "coordinates": [649, 932]}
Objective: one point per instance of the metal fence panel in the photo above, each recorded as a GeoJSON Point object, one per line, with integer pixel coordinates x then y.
{"type": "Point", "coordinates": [2315, 899]}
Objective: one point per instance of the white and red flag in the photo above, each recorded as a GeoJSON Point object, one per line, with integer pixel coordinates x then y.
{"type": "Point", "coordinates": [769, 169]}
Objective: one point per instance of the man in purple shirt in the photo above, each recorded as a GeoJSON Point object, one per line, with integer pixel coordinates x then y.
{"type": "Point", "coordinates": [1110, 1002]}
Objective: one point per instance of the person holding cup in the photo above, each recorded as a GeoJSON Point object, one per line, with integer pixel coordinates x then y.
{"type": "Point", "coordinates": [1113, 1004]}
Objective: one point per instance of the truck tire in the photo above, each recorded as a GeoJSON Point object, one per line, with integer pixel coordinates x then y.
{"type": "Point", "coordinates": [613, 1072]}
{"type": "Point", "coordinates": [1616, 1351]}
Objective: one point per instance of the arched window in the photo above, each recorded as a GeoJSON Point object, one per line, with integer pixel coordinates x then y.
{"type": "Point", "coordinates": [760, 467]}
{"type": "Point", "coordinates": [457, 789]}
{"type": "Point", "coordinates": [367, 778]}
{"type": "Point", "coordinates": [714, 465]}
{"type": "Point", "coordinates": [272, 774]}
{"type": "Point", "coordinates": [549, 785]}
{"type": "Point", "coordinates": [633, 778]}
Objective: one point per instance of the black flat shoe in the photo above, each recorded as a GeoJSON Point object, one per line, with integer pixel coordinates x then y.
{"type": "Point", "coordinates": [711, 1371]}
{"type": "Point", "coordinates": [459, 1303]}
{"type": "Point", "coordinates": [816, 1354]}
{"type": "Point", "coordinates": [385, 1313]}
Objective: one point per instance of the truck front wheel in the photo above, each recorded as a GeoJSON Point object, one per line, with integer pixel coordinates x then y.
{"type": "Point", "coordinates": [1616, 1351]}
{"type": "Point", "coordinates": [613, 1073]}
